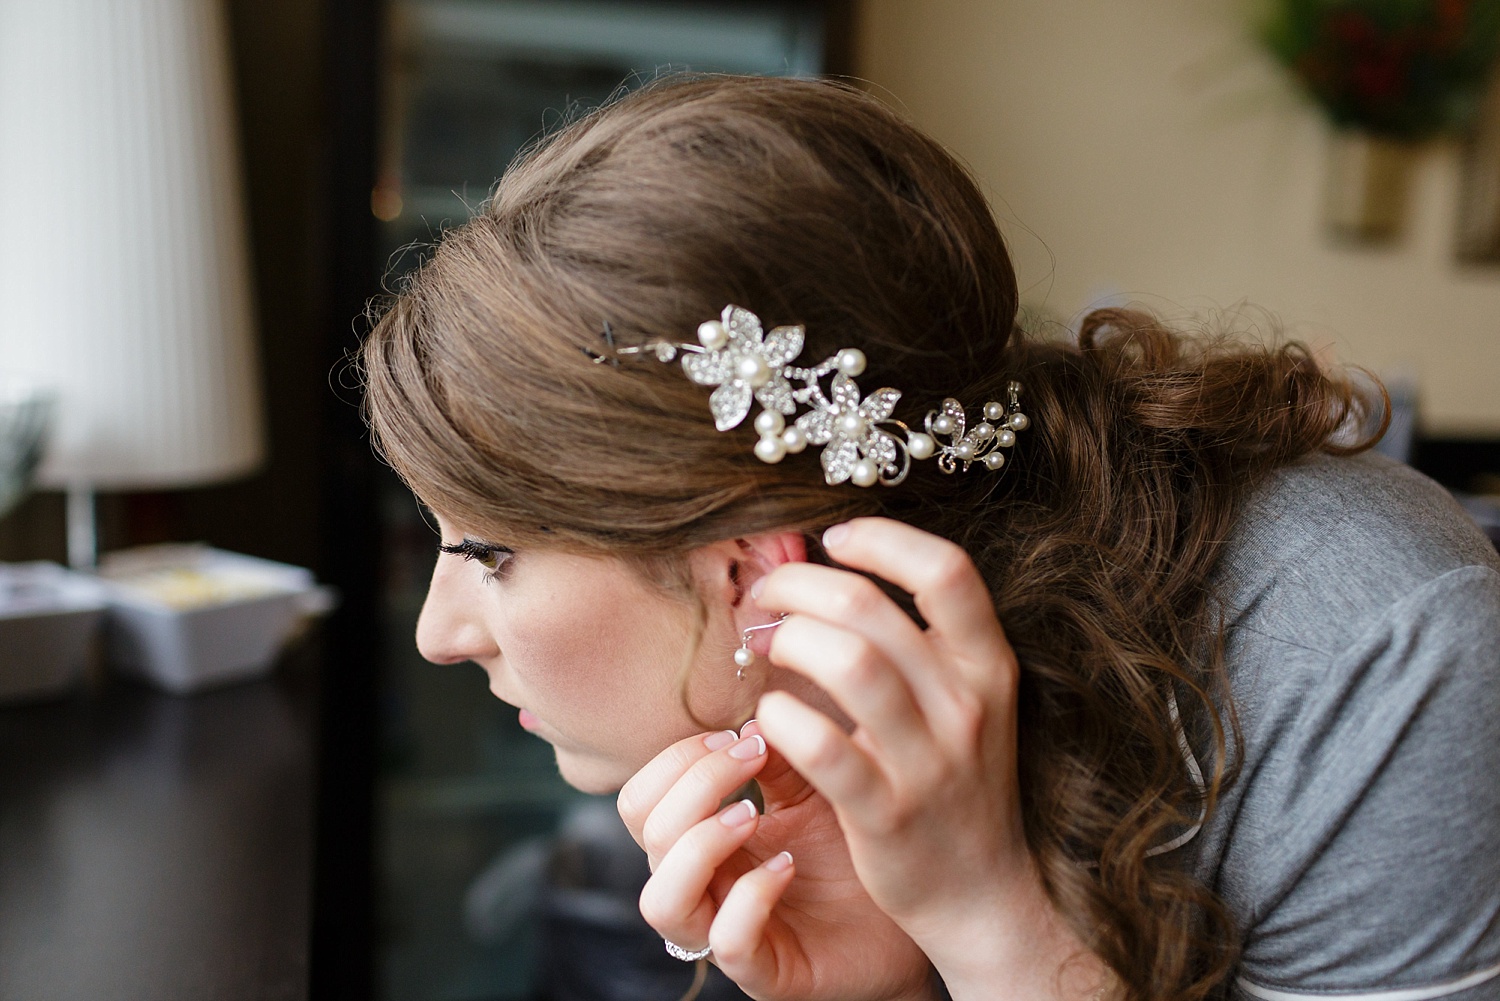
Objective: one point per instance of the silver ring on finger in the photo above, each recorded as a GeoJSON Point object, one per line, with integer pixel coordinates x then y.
{"type": "Point", "coordinates": [687, 956]}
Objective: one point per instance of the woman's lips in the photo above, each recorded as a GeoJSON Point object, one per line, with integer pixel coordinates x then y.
{"type": "Point", "coordinates": [529, 723]}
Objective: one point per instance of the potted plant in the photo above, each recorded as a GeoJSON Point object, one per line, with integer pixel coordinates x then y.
{"type": "Point", "coordinates": [1389, 74]}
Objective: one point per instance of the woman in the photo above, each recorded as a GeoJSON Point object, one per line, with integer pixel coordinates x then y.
{"type": "Point", "coordinates": [1148, 707]}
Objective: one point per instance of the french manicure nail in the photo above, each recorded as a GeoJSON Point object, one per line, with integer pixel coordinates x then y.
{"type": "Point", "coordinates": [740, 813]}
{"type": "Point", "coordinates": [747, 725]}
{"type": "Point", "coordinates": [757, 587]}
{"type": "Point", "coordinates": [835, 536]}
{"type": "Point", "coordinates": [720, 738]}
{"type": "Point", "coordinates": [748, 748]}
{"type": "Point", "coordinates": [780, 862]}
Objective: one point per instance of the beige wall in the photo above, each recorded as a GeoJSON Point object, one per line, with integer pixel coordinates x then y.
{"type": "Point", "coordinates": [1147, 149]}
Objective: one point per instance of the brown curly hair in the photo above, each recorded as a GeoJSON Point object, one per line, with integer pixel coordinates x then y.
{"type": "Point", "coordinates": [810, 202]}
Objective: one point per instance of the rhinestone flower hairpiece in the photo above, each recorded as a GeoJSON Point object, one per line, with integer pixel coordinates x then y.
{"type": "Point", "coordinates": [861, 442]}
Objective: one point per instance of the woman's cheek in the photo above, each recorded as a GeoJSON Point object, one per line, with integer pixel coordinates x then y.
{"type": "Point", "coordinates": [551, 670]}
{"type": "Point", "coordinates": [597, 657]}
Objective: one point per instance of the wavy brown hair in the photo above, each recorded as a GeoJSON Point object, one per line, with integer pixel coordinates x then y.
{"type": "Point", "coordinates": [812, 203]}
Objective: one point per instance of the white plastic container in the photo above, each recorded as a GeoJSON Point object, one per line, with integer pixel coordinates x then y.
{"type": "Point", "coordinates": [49, 618]}
{"type": "Point", "coordinates": [188, 617]}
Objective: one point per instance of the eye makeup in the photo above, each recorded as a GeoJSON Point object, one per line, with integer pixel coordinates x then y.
{"type": "Point", "coordinates": [492, 556]}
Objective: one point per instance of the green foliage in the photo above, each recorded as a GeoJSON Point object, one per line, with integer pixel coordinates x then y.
{"type": "Point", "coordinates": [1408, 69]}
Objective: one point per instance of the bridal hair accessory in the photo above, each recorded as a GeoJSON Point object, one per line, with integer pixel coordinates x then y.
{"type": "Point", "coordinates": [861, 443]}
{"type": "Point", "coordinates": [744, 656]}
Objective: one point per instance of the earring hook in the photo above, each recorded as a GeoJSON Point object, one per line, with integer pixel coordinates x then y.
{"type": "Point", "coordinates": [744, 656]}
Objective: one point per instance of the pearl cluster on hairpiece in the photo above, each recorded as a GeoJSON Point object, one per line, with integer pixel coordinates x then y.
{"type": "Point", "coordinates": [861, 442]}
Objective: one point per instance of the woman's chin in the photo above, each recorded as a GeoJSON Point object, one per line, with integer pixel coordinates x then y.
{"type": "Point", "coordinates": [597, 776]}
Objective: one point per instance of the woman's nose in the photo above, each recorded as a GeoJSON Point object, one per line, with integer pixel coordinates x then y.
{"type": "Point", "coordinates": [451, 627]}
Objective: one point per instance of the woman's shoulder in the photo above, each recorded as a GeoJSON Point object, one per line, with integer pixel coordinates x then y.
{"type": "Point", "coordinates": [1330, 545]}
{"type": "Point", "coordinates": [1363, 648]}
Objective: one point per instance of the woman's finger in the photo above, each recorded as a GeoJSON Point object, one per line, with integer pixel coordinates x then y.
{"type": "Point", "coordinates": [738, 932]}
{"type": "Point", "coordinates": [639, 796]}
{"type": "Point", "coordinates": [861, 680]}
{"type": "Point", "coordinates": [851, 601]}
{"type": "Point", "coordinates": [826, 756]}
{"type": "Point", "coordinates": [839, 596]}
{"type": "Point", "coordinates": [675, 900]}
{"type": "Point", "coordinates": [949, 592]}
{"type": "Point", "coordinates": [698, 793]}
{"type": "Point", "coordinates": [779, 782]}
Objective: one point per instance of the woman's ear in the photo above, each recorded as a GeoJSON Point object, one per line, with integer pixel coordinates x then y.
{"type": "Point", "coordinates": [764, 553]}
{"type": "Point", "coordinates": [730, 567]}
{"type": "Point", "coordinates": [771, 549]}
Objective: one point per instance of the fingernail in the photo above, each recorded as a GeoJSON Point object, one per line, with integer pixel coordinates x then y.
{"type": "Point", "coordinates": [740, 813]}
{"type": "Point", "coordinates": [757, 587]}
{"type": "Point", "coordinates": [747, 725]}
{"type": "Point", "coordinates": [749, 747]}
{"type": "Point", "coordinates": [720, 738]}
{"type": "Point", "coordinates": [779, 863]}
{"type": "Point", "coordinates": [835, 536]}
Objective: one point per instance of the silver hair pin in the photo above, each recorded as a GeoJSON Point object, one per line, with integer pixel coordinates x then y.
{"type": "Point", "coordinates": [861, 443]}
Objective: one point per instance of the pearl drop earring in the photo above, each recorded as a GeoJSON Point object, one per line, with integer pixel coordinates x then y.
{"type": "Point", "coordinates": [744, 656]}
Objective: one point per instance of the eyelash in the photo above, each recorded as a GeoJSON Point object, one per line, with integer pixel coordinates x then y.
{"type": "Point", "coordinates": [488, 555]}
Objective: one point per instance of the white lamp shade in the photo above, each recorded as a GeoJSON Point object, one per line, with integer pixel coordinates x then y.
{"type": "Point", "coordinates": [124, 278]}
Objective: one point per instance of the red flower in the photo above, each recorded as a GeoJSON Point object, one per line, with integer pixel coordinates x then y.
{"type": "Point", "coordinates": [1353, 28]}
{"type": "Point", "coordinates": [1379, 78]}
{"type": "Point", "coordinates": [1452, 22]}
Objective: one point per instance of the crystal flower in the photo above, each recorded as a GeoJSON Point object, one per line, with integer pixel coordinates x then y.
{"type": "Point", "coordinates": [847, 428]}
{"type": "Point", "coordinates": [747, 366]}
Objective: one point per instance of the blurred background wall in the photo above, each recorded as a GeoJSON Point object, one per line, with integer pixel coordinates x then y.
{"type": "Point", "coordinates": [1153, 151]}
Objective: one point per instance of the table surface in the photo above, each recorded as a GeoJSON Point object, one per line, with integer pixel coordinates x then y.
{"type": "Point", "coordinates": [157, 846]}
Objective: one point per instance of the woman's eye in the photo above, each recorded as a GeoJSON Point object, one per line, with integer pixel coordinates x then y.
{"type": "Point", "coordinates": [493, 559]}
{"type": "Point", "coordinates": [487, 554]}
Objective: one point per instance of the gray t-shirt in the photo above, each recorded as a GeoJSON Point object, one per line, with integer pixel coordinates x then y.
{"type": "Point", "coordinates": [1360, 848]}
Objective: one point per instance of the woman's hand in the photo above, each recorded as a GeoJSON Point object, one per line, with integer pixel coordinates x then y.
{"type": "Point", "coordinates": [925, 788]}
{"type": "Point", "coordinates": [775, 895]}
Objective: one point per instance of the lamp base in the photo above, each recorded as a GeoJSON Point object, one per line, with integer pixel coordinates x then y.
{"type": "Point", "coordinates": [83, 531]}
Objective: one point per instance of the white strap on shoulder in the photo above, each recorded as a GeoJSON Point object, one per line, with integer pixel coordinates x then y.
{"type": "Point", "coordinates": [1400, 994]}
{"type": "Point", "coordinates": [1194, 772]}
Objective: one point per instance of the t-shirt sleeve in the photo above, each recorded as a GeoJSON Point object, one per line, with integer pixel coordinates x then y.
{"type": "Point", "coordinates": [1376, 867]}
